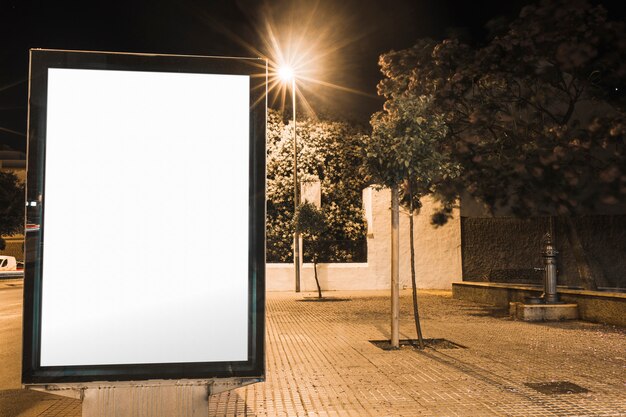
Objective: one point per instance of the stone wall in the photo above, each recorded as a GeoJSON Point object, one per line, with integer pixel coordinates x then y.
{"type": "Point", "coordinates": [437, 253]}
{"type": "Point", "coordinates": [505, 249]}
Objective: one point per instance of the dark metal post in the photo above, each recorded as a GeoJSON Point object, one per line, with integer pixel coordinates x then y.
{"type": "Point", "coordinates": [550, 272]}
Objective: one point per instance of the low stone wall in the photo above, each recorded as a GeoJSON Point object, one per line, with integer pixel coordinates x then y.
{"type": "Point", "coordinates": [599, 307]}
{"type": "Point", "coordinates": [505, 249]}
{"type": "Point", "coordinates": [596, 306]}
{"type": "Point", "coordinates": [348, 276]}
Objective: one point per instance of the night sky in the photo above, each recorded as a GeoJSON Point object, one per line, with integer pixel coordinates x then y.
{"type": "Point", "coordinates": [350, 35]}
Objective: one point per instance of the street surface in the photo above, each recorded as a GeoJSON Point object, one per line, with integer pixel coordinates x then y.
{"type": "Point", "coordinates": [320, 363]}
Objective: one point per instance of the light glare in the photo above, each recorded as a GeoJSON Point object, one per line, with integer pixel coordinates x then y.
{"type": "Point", "coordinates": [285, 73]}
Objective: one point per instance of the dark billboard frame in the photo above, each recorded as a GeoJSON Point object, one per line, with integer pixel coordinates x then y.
{"type": "Point", "coordinates": [40, 61]}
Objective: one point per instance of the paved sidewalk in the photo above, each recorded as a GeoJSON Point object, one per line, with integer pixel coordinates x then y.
{"type": "Point", "coordinates": [320, 363]}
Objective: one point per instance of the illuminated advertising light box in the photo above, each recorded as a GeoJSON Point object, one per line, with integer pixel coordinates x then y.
{"type": "Point", "coordinates": [145, 241]}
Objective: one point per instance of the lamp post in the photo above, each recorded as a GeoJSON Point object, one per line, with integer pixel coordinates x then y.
{"type": "Point", "coordinates": [286, 74]}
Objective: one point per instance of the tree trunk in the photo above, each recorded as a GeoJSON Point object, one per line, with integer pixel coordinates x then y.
{"type": "Point", "coordinates": [395, 269]}
{"type": "Point", "coordinates": [319, 289]}
{"type": "Point", "coordinates": [416, 316]}
{"type": "Point", "coordinates": [582, 262]}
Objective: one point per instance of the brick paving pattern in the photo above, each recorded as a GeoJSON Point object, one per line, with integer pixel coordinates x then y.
{"type": "Point", "coordinates": [320, 363]}
{"type": "Point", "coordinates": [63, 408]}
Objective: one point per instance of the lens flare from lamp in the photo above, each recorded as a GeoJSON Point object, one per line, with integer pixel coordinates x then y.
{"type": "Point", "coordinates": [286, 73]}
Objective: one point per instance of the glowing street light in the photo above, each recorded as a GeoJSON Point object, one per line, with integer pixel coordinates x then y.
{"type": "Point", "coordinates": [287, 74]}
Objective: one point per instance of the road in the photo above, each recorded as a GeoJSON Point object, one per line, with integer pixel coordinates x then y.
{"type": "Point", "coordinates": [10, 333]}
{"type": "Point", "coordinates": [15, 401]}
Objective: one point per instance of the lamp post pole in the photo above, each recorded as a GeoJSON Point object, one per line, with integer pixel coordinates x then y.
{"type": "Point", "coordinates": [395, 268]}
{"type": "Point", "coordinates": [296, 194]}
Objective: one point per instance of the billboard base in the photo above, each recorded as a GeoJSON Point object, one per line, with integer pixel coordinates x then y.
{"type": "Point", "coordinates": [184, 398]}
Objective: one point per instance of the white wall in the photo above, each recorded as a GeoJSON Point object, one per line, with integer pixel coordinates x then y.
{"type": "Point", "coordinates": [437, 254]}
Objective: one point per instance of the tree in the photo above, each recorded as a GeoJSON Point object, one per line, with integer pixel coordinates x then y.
{"type": "Point", "coordinates": [329, 151]}
{"type": "Point", "coordinates": [402, 154]}
{"type": "Point", "coordinates": [558, 136]}
{"type": "Point", "coordinates": [535, 118]}
{"type": "Point", "coordinates": [11, 206]}
{"type": "Point", "coordinates": [311, 223]}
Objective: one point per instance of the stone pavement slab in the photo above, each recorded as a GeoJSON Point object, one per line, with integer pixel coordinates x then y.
{"type": "Point", "coordinates": [320, 363]}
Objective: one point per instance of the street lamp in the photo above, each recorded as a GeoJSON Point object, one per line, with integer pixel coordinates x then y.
{"type": "Point", "coordinates": [286, 74]}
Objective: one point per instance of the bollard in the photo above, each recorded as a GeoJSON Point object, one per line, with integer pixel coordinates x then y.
{"type": "Point", "coordinates": [549, 254]}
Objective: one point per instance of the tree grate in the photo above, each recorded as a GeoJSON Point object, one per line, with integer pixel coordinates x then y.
{"type": "Point", "coordinates": [556, 387]}
{"type": "Point", "coordinates": [414, 343]}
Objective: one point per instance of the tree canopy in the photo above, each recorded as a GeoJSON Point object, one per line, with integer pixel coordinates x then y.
{"type": "Point", "coordinates": [11, 206]}
{"type": "Point", "coordinates": [328, 151]}
{"type": "Point", "coordinates": [533, 120]}
{"type": "Point", "coordinates": [402, 150]}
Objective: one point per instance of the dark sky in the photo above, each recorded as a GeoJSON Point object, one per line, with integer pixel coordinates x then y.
{"type": "Point", "coordinates": [350, 35]}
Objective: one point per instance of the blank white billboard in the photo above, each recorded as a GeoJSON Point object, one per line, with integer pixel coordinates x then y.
{"type": "Point", "coordinates": [145, 219]}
